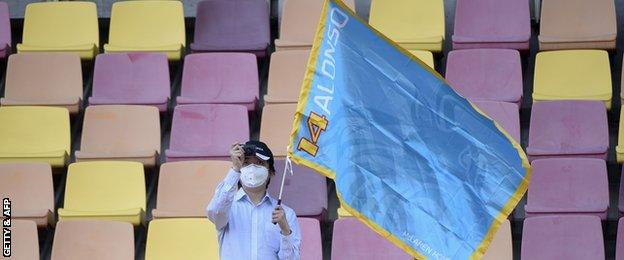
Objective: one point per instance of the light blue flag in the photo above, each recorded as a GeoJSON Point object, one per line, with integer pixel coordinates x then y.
{"type": "Point", "coordinates": [411, 158]}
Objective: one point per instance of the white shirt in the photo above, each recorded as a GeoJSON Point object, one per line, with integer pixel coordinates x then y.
{"type": "Point", "coordinates": [245, 230]}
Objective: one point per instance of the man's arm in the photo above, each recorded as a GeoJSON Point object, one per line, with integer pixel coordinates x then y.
{"type": "Point", "coordinates": [219, 208]}
{"type": "Point", "coordinates": [290, 244]}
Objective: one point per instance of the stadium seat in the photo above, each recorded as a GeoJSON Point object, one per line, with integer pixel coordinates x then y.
{"type": "Point", "coordinates": [424, 56]}
{"type": "Point", "coordinates": [5, 30]}
{"type": "Point", "coordinates": [305, 191]}
{"type": "Point", "coordinates": [215, 30]}
{"type": "Point", "coordinates": [343, 213]}
{"type": "Point", "coordinates": [34, 134]}
{"type": "Point", "coordinates": [568, 186]}
{"type": "Point", "coordinates": [189, 239]}
{"type": "Point", "coordinates": [568, 129]}
{"type": "Point", "coordinates": [193, 182]}
{"type": "Point", "coordinates": [505, 114]}
{"type": "Point", "coordinates": [24, 240]}
{"type": "Point", "coordinates": [577, 24]}
{"type": "Point", "coordinates": [110, 190]}
{"type": "Point", "coordinates": [200, 132]}
{"type": "Point", "coordinates": [501, 247]}
{"type": "Point", "coordinates": [571, 237]}
{"type": "Point", "coordinates": [61, 27]}
{"type": "Point", "coordinates": [44, 79]}
{"type": "Point", "coordinates": [147, 26]}
{"type": "Point", "coordinates": [352, 239]}
{"type": "Point", "coordinates": [120, 132]}
{"type": "Point", "coordinates": [31, 191]}
{"type": "Point", "coordinates": [220, 78]}
{"type": "Point", "coordinates": [413, 24]}
{"type": "Point", "coordinates": [486, 74]}
{"type": "Point", "coordinates": [311, 243]}
{"type": "Point", "coordinates": [492, 24]}
{"type": "Point", "coordinates": [286, 73]}
{"type": "Point", "coordinates": [298, 23]}
{"type": "Point", "coordinates": [277, 121]}
{"type": "Point", "coordinates": [573, 75]}
{"type": "Point", "coordinates": [619, 246]}
{"type": "Point", "coordinates": [131, 79]}
{"type": "Point", "coordinates": [93, 239]}
{"type": "Point", "coordinates": [619, 149]}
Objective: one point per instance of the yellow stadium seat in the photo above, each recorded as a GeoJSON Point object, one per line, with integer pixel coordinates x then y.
{"type": "Point", "coordinates": [426, 57]}
{"type": "Point", "coordinates": [107, 190]}
{"type": "Point", "coordinates": [147, 26]}
{"type": "Point", "coordinates": [181, 238]}
{"type": "Point", "coordinates": [619, 149]}
{"type": "Point", "coordinates": [414, 24]}
{"type": "Point", "coordinates": [573, 75]}
{"type": "Point", "coordinates": [61, 27]}
{"type": "Point", "coordinates": [34, 134]}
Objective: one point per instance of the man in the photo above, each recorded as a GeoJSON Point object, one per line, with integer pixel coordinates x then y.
{"type": "Point", "coordinates": [250, 223]}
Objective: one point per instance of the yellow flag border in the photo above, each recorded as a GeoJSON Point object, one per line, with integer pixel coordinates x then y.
{"type": "Point", "coordinates": [303, 98]}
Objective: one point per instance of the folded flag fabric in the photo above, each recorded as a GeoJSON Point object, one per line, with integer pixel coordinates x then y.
{"type": "Point", "coordinates": [411, 158]}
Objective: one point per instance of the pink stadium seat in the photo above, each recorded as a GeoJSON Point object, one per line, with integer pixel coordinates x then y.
{"type": "Point", "coordinates": [93, 239]}
{"type": "Point", "coordinates": [573, 237]}
{"type": "Point", "coordinates": [131, 79]}
{"type": "Point", "coordinates": [200, 132]}
{"type": "Point", "coordinates": [486, 74]}
{"type": "Point", "coordinates": [505, 114]}
{"type": "Point", "coordinates": [305, 191]}
{"type": "Point", "coordinates": [311, 244]}
{"type": "Point", "coordinates": [31, 190]}
{"type": "Point", "coordinates": [215, 30]}
{"type": "Point", "coordinates": [568, 129]}
{"type": "Point", "coordinates": [354, 240]}
{"type": "Point", "coordinates": [619, 246]}
{"type": "Point", "coordinates": [492, 24]}
{"type": "Point", "coordinates": [220, 78]}
{"type": "Point", "coordinates": [568, 186]}
{"type": "Point", "coordinates": [5, 30]}
{"type": "Point", "coordinates": [24, 240]}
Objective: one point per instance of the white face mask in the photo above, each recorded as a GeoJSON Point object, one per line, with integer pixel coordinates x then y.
{"type": "Point", "coordinates": [253, 176]}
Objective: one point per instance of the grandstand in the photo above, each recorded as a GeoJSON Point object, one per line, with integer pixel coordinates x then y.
{"type": "Point", "coordinates": [116, 118]}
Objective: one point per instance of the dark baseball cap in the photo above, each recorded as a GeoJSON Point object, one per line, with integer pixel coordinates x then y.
{"type": "Point", "coordinates": [260, 150]}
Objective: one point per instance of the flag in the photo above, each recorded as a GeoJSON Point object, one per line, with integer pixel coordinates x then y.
{"type": "Point", "coordinates": [411, 158]}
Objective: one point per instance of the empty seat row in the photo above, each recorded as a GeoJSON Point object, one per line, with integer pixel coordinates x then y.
{"type": "Point", "coordinates": [55, 79]}
{"type": "Point", "coordinates": [115, 190]}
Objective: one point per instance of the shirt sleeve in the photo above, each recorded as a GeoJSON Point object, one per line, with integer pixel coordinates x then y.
{"type": "Point", "coordinates": [218, 209]}
{"type": "Point", "coordinates": [290, 244]}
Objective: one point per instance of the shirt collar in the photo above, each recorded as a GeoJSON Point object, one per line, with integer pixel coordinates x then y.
{"type": "Point", "coordinates": [240, 194]}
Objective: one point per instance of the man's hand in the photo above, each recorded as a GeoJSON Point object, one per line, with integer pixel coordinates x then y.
{"type": "Point", "coordinates": [237, 154]}
{"type": "Point", "coordinates": [279, 217]}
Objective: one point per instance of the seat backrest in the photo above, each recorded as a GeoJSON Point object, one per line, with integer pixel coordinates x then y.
{"type": "Point", "coordinates": [89, 239]}
{"type": "Point", "coordinates": [116, 129]}
{"type": "Point", "coordinates": [286, 73]}
{"type": "Point", "coordinates": [276, 125]}
{"type": "Point", "coordinates": [208, 128]}
{"type": "Point", "coordinates": [181, 239]}
{"type": "Point", "coordinates": [29, 186]}
{"type": "Point", "coordinates": [28, 130]}
{"type": "Point", "coordinates": [24, 240]}
{"type": "Point", "coordinates": [147, 24]}
{"type": "Point", "coordinates": [300, 19]}
{"type": "Point", "coordinates": [311, 243]}
{"type": "Point", "coordinates": [352, 239]}
{"type": "Point", "coordinates": [61, 24]}
{"type": "Point", "coordinates": [141, 76]}
{"type": "Point", "coordinates": [193, 182]}
{"type": "Point", "coordinates": [44, 76]}
{"type": "Point", "coordinates": [105, 186]}
{"type": "Point", "coordinates": [405, 20]}
{"type": "Point", "coordinates": [501, 247]}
